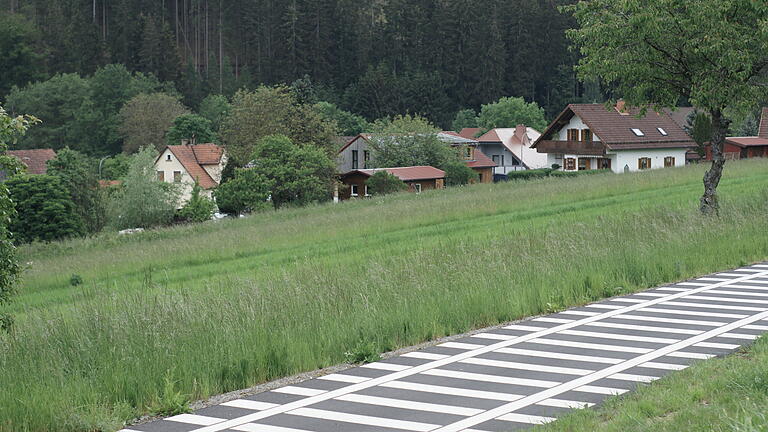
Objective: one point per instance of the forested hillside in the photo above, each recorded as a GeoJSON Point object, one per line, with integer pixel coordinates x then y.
{"type": "Point", "coordinates": [371, 57]}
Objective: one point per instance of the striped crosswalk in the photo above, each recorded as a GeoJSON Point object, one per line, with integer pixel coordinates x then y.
{"type": "Point", "coordinates": [516, 376]}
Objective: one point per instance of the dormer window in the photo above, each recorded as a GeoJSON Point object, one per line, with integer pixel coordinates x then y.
{"type": "Point", "coordinates": [638, 132]}
{"type": "Point", "coordinates": [662, 131]}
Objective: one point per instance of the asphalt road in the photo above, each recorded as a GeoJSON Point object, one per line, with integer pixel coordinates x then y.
{"type": "Point", "coordinates": [517, 376]}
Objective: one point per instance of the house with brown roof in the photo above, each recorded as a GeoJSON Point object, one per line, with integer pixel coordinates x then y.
{"type": "Point", "coordinates": [418, 179]}
{"type": "Point", "coordinates": [746, 147]}
{"type": "Point", "coordinates": [184, 164]}
{"type": "Point", "coordinates": [618, 138]}
{"type": "Point", "coordinates": [36, 160]}
{"type": "Point", "coordinates": [356, 154]}
{"type": "Point", "coordinates": [510, 149]}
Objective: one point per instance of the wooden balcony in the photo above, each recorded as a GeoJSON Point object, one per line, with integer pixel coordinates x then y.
{"type": "Point", "coordinates": [586, 148]}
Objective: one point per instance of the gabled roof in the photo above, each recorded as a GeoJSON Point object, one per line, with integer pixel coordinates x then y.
{"type": "Point", "coordinates": [747, 141]}
{"type": "Point", "coordinates": [481, 161]}
{"type": "Point", "coordinates": [353, 139]}
{"type": "Point", "coordinates": [453, 138]}
{"type": "Point", "coordinates": [35, 160]}
{"type": "Point", "coordinates": [193, 157]}
{"type": "Point", "coordinates": [680, 115]}
{"type": "Point", "coordinates": [763, 131]}
{"type": "Point", "coordinates": [470, 133]}
{"type": "Point", "coordinates": [406, 173]}
{"type": "Point", "coordinates": [615, 129]}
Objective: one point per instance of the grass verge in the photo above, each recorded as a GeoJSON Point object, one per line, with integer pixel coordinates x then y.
{"type": "Point", "coordinates": [188, 312]}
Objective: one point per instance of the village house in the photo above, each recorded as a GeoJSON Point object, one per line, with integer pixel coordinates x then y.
{"type": "Point", "coordinates": [509, 148]}
{"type": "Point", "coordinates": [184, 164]}
{"type": "Point", "coordinates": [591, 136]}
{"type": "Point", "coordinates": [746, 147]}
{"type": "Point", "coordinates": [356, 154]}
{"type": "Point", "coordinates": [36, 160]}
{"type": "Point", "coordinates": [418, 179]}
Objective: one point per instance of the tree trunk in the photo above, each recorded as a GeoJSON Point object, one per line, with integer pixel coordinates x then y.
{"type": "Point", "coordinates": [709, 204]}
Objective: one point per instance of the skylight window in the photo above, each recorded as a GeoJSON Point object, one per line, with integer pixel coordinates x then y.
{"type": "Point", "coordinates": [638, 132]}
{"type": "Point", "coordinates": [662, 131]}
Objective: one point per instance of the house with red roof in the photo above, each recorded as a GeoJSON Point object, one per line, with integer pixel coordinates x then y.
{"type": "Point", "coordinates": [510, 149]}
{"type": "Point", "coordinates": [746, 147]}
{"type": "Point", "coordinates": [35, 160]}
{"type": "Point", "coordinates": [184, 164]}
{"type": "Point", "coordinates": [618, 138]}
{"type": "Point", "coordinates": [418, 179]}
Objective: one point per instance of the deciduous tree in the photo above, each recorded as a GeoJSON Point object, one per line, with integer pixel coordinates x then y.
{"type": "Point", "coordinates": [509, 112]}
{"type": "Point", "coordinates": [190, 126]}
{"type": "Point", "coordinates": [383, 183]}
{"type": "Point", "coordinates": [145, 119]}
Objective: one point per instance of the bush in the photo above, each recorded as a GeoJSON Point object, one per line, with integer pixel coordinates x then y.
{"type": "Point", "coordinates": [199, 208]}
{"type": "Point", "coordinates": [458, 173]}
{"type": "Point", "coordinates": [44, 208]}
{"type": "Point", "coordinates": [529, 174]}
{"type": "Point", "coordinates": [247, 191]}
{"type": "Point", "coordinates": [382, 183]}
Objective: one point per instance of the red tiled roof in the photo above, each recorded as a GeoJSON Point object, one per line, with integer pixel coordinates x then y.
{"type": "Point", "coordinates": [469, 133]}
{"type": "Point", "coordinates": [747, 141]}
{"type": "Point", "coordinates": [408, 173]}
{"type": "Point", "coordinates": [109, 183]}
{"type": "Point", "coordinates": [615, 129]}
{"type": "Point", "coordinates": [193, 158]}
{"type": "Point", "coordinates": [763, 132]}
{"type": "Point", "coordinates": [35, 160]}
{"type": "Point", "coordinates": [481, 160]}
{"type": "Point", "coordinates": [490, 136]}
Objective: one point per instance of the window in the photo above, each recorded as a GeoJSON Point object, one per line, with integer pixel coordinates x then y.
{"type": "Point", "coordinates": [644, 163]}
{"type": "Point", "coordinates": [177, 176]}
{"type": "Point", "coordinates": [468, 153]}
{"type": "Point", "coordinates": [669, 161]}
{"type": "Point", "coordinates": [366, 191]}
{"type": "Point", "coordinates": [495, 159]}
{"type": "Point", "coordinates": [354, 159]}
{"type": "Point", "coordinates": [638, 132]}
{"type": "Point", "coordinates": [604, 163]}
{"type": "Point", "coordinates": [168, 157]}
{"type": "Point", "coordinates": [570, 164]}
{"type": "Point", "coordinates": [353, 190]}
{"type": "Point", "coordinates": [662, 131]}
{"type": "Point", "coordinates": [586, 135]}
{"type": "Point", "coordinates": [502, 161]}
{"type": "Point", "coordinates": [417, 187]}
{"type": "Point", "coordinates": [366, 158]}
{"type": "Point", "coordinates": [573, 134]}
{"type": "Point", "coordinates": [585, 164]}
{"type": "Point", "coordinates": [161, 175]}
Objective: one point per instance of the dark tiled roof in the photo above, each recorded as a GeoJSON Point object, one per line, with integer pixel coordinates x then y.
{"type": "Point", "coordinates": [407, 173]}
{"type": "Point", "coordinates": [35, 160]}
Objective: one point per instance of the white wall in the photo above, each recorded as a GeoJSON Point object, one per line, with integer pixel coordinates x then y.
{"type": "Point", "coordinates": [629, 158]}
{"type": "Point", "coordinates": [187, 182]}
{"type": "Point", "coordinates": [575, 123]}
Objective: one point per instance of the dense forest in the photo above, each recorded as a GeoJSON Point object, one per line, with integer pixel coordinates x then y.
{"type": "Point", "coordinates": [372, 57]}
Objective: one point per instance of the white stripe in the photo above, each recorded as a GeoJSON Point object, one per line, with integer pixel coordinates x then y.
{"type": "Point", "coordinates": [560, 403]}
{"type": "Point", "coordinates": [740, 336]}
{"type": "Point", "coordinates": [249, 404]}
{"type": "Point", "coordinates": [756, 327]}
{"type": "Point", "coordinates": [195, 419]}
{"type": "Point", "coordinates": [494, 336]}
{"type": "Point", "coordinates": [748, 270]}
{"type": "Point", "coordinates": [490, 378]}
{"type": "Point", "coordinates": [694, 313]}
{"type": "Point", "coordinates": [645, 328]}
{"type": "Point", "coordinates": [693, 284]}
{"type": "Point", "coordinates": [618, 336]}
{"type": "Point", "coordinates": [600, 390]}
{"type": "Point", "coordinates": [690, 355]}
{"type": "Point", "coordinates": [461, 346]}
{"type": "Point", "coordinates": [554, 320]}
{"type": "Point", "coordinates": [252, 427]}
{"type": "Point", "coordinates": [714, 306]}
{"type": "Point", "coordinates": [127, 430]}
{"type": "Point", "coordinates": [738, 293]}
{"type": "Point", "coordinates": [716, 345]}
{"type": "Point", "coordinates": [406, 404]}
{"type": "Point", "coordinates": [425, 355]}
{"type": "Point", "coordinates": [524, 418]}
{"type": "Point", "coordinates": [760, 265]}
{"type": "Point", "coordinates": [560, 356]}
{"type": "Point", "coordinates": [651, 294]}
{"type": "Point", "coordinates": [630, 300]}
{"type": "Point", "coordinates": [522, 327]}
{"type": "Point", "coordinates": [460, 356]}
{"type": "Point", "coordinates": [593, 346]}
{"type": "Point", "coordinates": [386, 366]}
{"type": "Point", "coordinates": [526, 366]}
{"type": "Point", "coordinates": [664, 366]}
{"type": "Point", "coordinates": [605, 306]}
{"type": "Point", "coordinates": [668, 320]}
{"type": "Point", "coordinates": [729, 300]}
{"type": "Point", "coordinates": [633, 378]}
{"type": "Point", "coordinates": [580, 313]}
{"type": "Point", "coordinates": [729, 274]}
{"type": "Point", "coordinates": [300, 391]}
{"type": "Point", "coordinates": [672, 289]}
{"type": "Point", "coordinates": [711, 279]}
{"type": "Point", "coordinates": [364, 420]}
{"type": "Point", "coordinates": [746, 287]}
{"type": "Point", "coordinates": [453, 391]}
{"type": "Point", "coordinates": [344, 378]}
{"type": "Point", "coordinates": [758, 281]}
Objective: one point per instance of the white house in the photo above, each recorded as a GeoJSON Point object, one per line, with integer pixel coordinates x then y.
{"type": "Point", "coordinates": [591, 136]}
{"type": "Point", "coordinates": [510, 148]}
{"type": "Point", "coordinates": [186, 163]}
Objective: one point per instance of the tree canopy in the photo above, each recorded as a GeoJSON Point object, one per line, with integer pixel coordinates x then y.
{"type": "Point", "coordinates": [509, 112]}
{"type": "Point", "coordinates": [145, 120]}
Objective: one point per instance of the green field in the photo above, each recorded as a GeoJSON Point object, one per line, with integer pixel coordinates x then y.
{"type": "Point", "coordinates": [188, 312]}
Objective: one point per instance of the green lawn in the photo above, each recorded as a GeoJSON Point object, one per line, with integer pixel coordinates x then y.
{"type": "Point", "coordinates": [719, 395]}
{"type": "Point", "coordinates": [189, 312]}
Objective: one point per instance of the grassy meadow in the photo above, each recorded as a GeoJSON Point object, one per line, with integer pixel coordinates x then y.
{"type": "Point", "coordinates": [183, 313]}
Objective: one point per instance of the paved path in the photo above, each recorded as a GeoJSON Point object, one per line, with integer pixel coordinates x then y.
{"type": "Point", "coordinates": [517, 376]}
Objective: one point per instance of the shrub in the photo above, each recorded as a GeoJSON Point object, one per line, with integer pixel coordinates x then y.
{"type": "Point", "coordinates": [199, 208]}
{"type": "Point", "coordinates": [363, 352]}
{"type": "Point", "coordinates": [382, 183]}
{"type": "Point", "coordinates": [247, 191]}
{"type": "Point", "coordinates": [75, 279]}
{"type": "Point", "coordinates": [458, 173]}
{"type": "Point", "coordinates": [529, 174]}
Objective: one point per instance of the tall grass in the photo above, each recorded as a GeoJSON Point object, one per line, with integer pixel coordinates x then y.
{"type": "Point", "coordinates": [188, 312]}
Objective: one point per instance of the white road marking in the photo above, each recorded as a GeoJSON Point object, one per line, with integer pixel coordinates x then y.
{"type": "Point", "coordinates": [560, 356]}
{"type": "Point", "coordinates": [386, 366]}
{"type": "Point", "coordinates": [668, 320]}
{"type": "Point", "coordinates": [560, 403]}
{"type": "Point", "coordinates": [747, 287]}
{"type": "Point", "coordinates": [195, 419]}
{"type": "Point", "coordinates": [249, 404]}
{"type": "Point", "coordinates": [729, 300]}
{"type": "Point", "coordinates": [693, 313]}
{"type": "Point", "coordinates": [716, 345]}
{"type": "Point", "coordinates": [616, 336]}
{"type": "Point", "coordinates": [344, 378]}
{"type": "Point", "coordinates": [672, 289]}
{"type": "Point", "coordinates": [580, 313]}
{"type": "Point", "coordinates": [629, 300]}
{"type": "Point", "coordinates": [494, 336]}
{"type": "Point", "coordinates": [491, 378]}
{"type": "Point", "coordinates": [299, 391]}
{"type": "Point", "coordinates": [424, 355]}
{"type": "Point", "coordinates": [691, 355]}
{"type": "Point", "coordinates": [594, 346]}
{"type": "Point", "coordinates": [756, 327]}
{"type": "Point", "coordinates": [527, 366]}
{"type": "Point", "coordinates": [651, 294]}
{"type": "Point", "coordinates": [665, 366]}
{"type": "Point", "coordinates": [715, 306]}
{"type": "Point", "coordinates": [605, 306]}
{"type": "Point", "coordinates": [522, 327]}
{"type": "Point", "coordinates": [363, 419]}
{"type": "Point", "coordinates": [461, 346]}
{"type": "Point", "coordinates": [693, 284]}
{"type": "Point", "coordinates": [633, 378]}
{"type": "Point", "coordinates": [554, 320]}
{"type": "Point", "coordinates": [252, 427]}
{"type": "Point", "coordinates": [645, 328]}
{"type": "Point", "coordinates": [407, 404]}
{"type": "Point", "coordinates": [738, 293]}
{"type": "Point", "coordinates": [600, 390]}
{"type": "Point", "coordinates": [524, 418]}
{"type": "Point", "coordinates": [452, 391]}
{"type": "Point", "coordinates": [740, 336]}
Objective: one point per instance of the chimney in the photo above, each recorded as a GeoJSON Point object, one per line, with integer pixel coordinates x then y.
{"type": "Point", "coordinates": [763, 130]}
{"type": "Point", "coordinates": [621, 107]}
{"type": "Point", "coordinates": [521, 132]}
{"type": "Point", "coordinates": [184, 141]}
